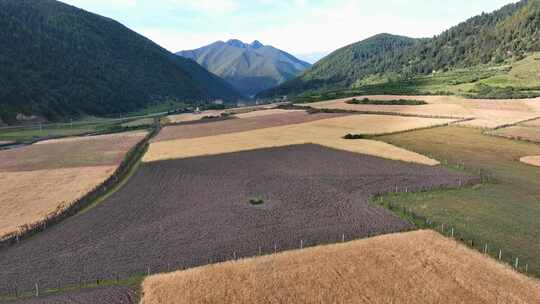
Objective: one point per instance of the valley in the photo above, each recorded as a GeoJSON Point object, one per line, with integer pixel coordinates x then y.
{"type": "Point", "coordinates": [394, 169]}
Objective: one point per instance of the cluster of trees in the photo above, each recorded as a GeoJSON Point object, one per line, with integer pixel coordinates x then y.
{"type": "Point", "coordinates": [59, 61]}
{"type": "Point", "coordinates": [506, 34]}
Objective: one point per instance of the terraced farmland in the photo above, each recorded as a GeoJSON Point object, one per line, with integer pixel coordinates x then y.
{"type": "Point", "coordinates": [189, 212]}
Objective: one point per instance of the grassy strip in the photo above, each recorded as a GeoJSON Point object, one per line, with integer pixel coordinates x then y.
{"type": "Point", "coordinates": [124, 170]}
{"type": "Point", "coordinates": [448, 230]}
{"type": "Point", "coordinates": [133, 282]}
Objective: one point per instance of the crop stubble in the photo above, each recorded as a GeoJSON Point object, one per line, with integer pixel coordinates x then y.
{"type": "Point", "coordinates": [412, 267]}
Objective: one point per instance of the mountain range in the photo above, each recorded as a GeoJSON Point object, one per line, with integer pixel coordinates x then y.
{"type": "Point", "coordinates": [59, 61]}
{"type": "Point", "coordinates": [505, 35]}
{"type": "Point", "coordinates": [250, 68]}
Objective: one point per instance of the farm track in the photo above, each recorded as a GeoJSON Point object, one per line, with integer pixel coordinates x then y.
{"type": "Point", "coordinates": [189, 212]}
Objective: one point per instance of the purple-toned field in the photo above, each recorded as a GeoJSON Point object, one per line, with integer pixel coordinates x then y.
{"type": "Point", "coordinates": [189, 212]}
{"type": "Point", "coordinates": [239, 125]}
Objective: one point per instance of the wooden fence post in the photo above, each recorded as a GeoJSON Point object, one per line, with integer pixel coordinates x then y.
{"type": "Point", "coordinates": [500, 254]}
{"type": "Point", "coordinates": [517, 263]}
{"type": "Point", "coordinates": [37, 290]}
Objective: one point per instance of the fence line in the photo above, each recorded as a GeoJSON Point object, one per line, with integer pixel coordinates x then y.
{"type": "Point", "coordinates": [131, 158]}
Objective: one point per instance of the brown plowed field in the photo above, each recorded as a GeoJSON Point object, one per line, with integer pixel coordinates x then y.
{"type": "Point", "coordinates": [85, 151]}
{"type": "Point", "coordinates": [239, 125]}
{"type": "Point", "coordinates": [188, 212]}
{"type": "Point", "coordinates": [107, 295]}
{"type": "Point", "coordinates": [520, 132]}
{"type": "Point", "coordinates": [420, 267]}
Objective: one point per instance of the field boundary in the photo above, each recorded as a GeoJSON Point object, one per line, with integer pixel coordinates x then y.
{"type": "Point", "coordinates": [482, 246]}
{"type": "Point", "coordinates": [200, 121]}
{"type": "Point", "coordinates": [130, 160]}
{"type": "Point", "coordinates": [373, 136]}
{"type": "Point", "coordinates": [510, 137]}
{"type": "Point", "coordinates": [312, 110]}
{"type": "Point", "coordinates": [515, 123]}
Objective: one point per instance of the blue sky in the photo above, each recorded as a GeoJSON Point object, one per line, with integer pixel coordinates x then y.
{"type": "Point", "coordinates": [296, 26]}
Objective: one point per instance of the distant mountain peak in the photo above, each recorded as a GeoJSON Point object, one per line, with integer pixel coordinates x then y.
{"type": "Point", "coordinates": [256, 44]}
{"type": "Point", "coordinates": [237, 43]}
{"type": "Point", "coordinates": [250, 68]}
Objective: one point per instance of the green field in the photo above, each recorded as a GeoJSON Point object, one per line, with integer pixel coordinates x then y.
{"type": "Point", "coordinates": [30, 133]}
{"type": "Point", "coordinates": [25, 134]}
{"type": "Point", "coordinates": [503, 213]}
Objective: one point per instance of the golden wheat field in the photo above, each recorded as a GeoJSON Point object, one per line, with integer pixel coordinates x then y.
{"type": "Point", "coordinates": [47, 177]}
{"type": "Point", "coordinates": [327, 132]}
{"type": "Point", "coordinates": [28, 197]}
{"type": "Point", "coordinates": [531, 160]}
{"type": "Point", "coordinates": [486, 113]}
{"type": "Point", "coordinates": [413, 267]}
{"type": "Point", "coordinates": [189, 117]}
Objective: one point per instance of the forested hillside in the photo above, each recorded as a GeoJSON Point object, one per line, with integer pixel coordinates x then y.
{"type": "Point", "coordinates": [376, 55]}
{"type": "Point", "coordinates": [59, 61]}
{"type": "Point", "coordinates": [497, 38]}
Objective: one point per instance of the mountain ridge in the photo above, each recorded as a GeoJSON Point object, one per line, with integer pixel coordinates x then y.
{"type": "Point", "coordinates": [249, 67]}
{"type": "Point", "coordinates": [60, 61]}
{"type": "Point", "coordinates": [506, 34]}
